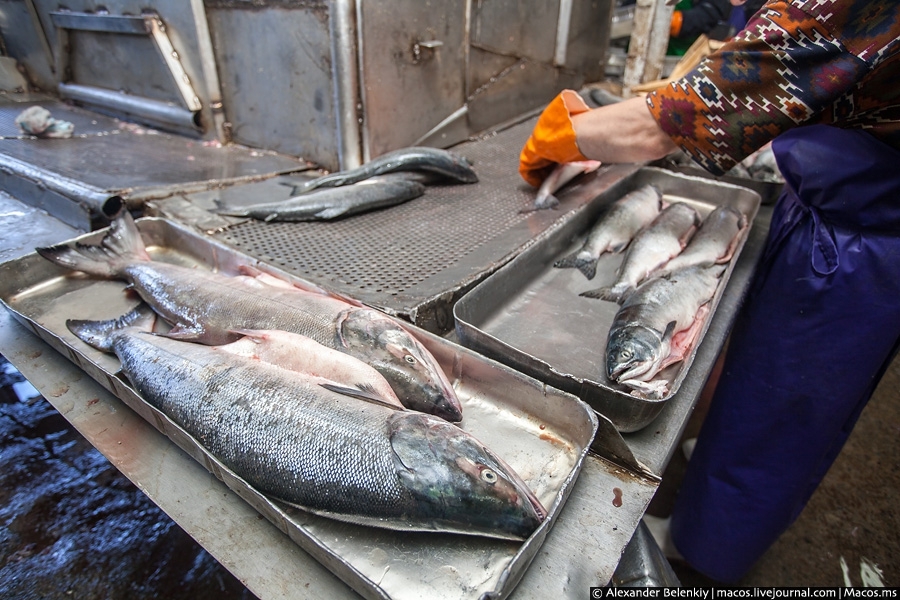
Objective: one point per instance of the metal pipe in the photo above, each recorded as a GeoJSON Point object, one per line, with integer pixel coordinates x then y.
{"type": "Point", "coordinates": [562, 32]}
{"type": "Point", "coordinates": [96, 200]}
{"type": "Point", "coordinates": [153, 111]}
{"type": "Point", "coordinates": [360, 52]}
{"type": "Point", "coordinates": [345, 71]}
{"type": "Point", "coordinates": [210, 71]}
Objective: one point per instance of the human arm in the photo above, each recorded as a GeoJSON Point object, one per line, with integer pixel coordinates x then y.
{"type": "Point", "coordinates": [621, 132]}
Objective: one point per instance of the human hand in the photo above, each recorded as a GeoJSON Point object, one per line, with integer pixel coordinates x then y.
{"type": "Point", "coordinates": [553, 139]}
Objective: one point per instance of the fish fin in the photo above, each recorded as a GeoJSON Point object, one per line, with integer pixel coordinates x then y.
{"type": "Point", "coordinates": [121, 246]}
{"type": "Point", "coordinates": [549, 201]}
{"type": "Point", "coordinates": [588, 267]}
{"type": "Point", "coordinates": [362, 391]}
{"type": "Point", "coordinates": [599, 293]}
{"type": "Point", "coordinates": [330, 213]}
{"type": "Point", "coordinates": [669, 332]}
{"type": "Point", "coordinates": [567, 262]}
{"type": "Point", "coordinates": [615, 249]}
{"type": "Point", "coordinates": [271, 217]}
{"type": "Point", "coordinates": [256, 335]}
{"type": "Point", "coordinates": [100, 334]}
{"type": "Point", "coordinates": [185, 333]}
{"type": "Point", "coordinates": [610, 294]}
{"type": "Point", "coordinates": [229, 211]}
{"type": "Point", "coordinates": [655, 389]}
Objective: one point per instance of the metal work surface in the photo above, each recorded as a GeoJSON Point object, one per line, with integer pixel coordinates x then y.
{"type": "Point", "coordinates": [110, 158]}
{"type": "Point", "coordinates": [581, 550]}
{"type": "Point", "coordinates": [530, 315]}
{"type": "Point", "coordinates": [414, 259]}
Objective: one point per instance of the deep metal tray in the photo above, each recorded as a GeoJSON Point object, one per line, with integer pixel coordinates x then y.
{"type": "Point", "coordinates": [529, 315]}
{"type": "Point", "coordinates": [541, 432]}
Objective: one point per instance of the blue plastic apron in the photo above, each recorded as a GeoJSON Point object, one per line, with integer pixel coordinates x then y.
{"type": "Point", "coordinates": [819, 326]}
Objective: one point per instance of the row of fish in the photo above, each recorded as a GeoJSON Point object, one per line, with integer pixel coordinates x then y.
{"type": "Point", "coordinates": [671, 268]}
{"type": "Point", "coordinates": [389, 180]}
{"type": "Point", "coordinates": [307, 397]}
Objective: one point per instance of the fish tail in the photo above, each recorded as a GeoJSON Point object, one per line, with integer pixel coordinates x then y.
{"type": "Point", "coordinates": [102, 334]}
{"type": "Point", "coordinates": [587, 266]}
{"type": "Point", "coordinates": [610, 294]}
{"type": "Point", "coordinates": [223, 209]}
{"type": "Point", "coordinates": [120, 247]}
{"type": "Point", "coordinates": [578, 260]}
{"type": "Point", "coordinates": [570, 261]}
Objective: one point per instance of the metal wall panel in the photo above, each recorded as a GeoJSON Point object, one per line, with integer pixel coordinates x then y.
{"type": "Point", "coordinates": [126, 63]}
{"type": "Point", "coordinates": [26, 41]}
{"type": "Point", "coordinates": [516, 28]}
{"type": "Point", "coordinates": [275, 68]}
{"type": "Point", "coordinates": [182, 31]}
{"type": "Point", "coordinates": [588, 40]}
{"type": "Point", "coordinates": [410, 84]}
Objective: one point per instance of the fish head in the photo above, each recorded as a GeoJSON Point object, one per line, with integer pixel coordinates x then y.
{"type": "Point", "coordinates": [633, 352]}
{"type": "Point", "coordinates": [410, 369]}
{"type": "Point", "coordinates": [458, 482]}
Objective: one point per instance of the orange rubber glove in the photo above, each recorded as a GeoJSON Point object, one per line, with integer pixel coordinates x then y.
{"type": "Point", "coordinates": [553, 139]}
{"type": "Point", "coordinates": [675, 25]}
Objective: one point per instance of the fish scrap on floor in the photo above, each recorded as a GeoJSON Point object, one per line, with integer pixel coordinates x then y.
{"type": "Point", "coordinates": [330, 203]}
{"type": "Point", "coordinates": [657, 325]}
{"type": "Point", "coordinates": [298, 439]}
{"type": "Point", "coordinates": [615, 229]}
{"type": "Point", "coordinates": [211, 308]}
{"type": "Point", "coordinates": [655, 245]}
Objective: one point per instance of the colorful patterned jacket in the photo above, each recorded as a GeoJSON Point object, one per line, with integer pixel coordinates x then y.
{"type": "Point", "coordinates": [798, 62]}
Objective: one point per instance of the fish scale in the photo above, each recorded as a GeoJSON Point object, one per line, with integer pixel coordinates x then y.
{"type": "Point", "coordinates": [239, 411]}
{"type": "Point", "coordinates": [210, 307]}
{"type": "Point", "coordinates": [226, 306]}
{"type": "Point", "coordinates": [297, 438]}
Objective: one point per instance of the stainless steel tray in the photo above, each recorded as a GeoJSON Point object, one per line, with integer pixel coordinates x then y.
{"type": "Point", "coordinates": [542, 432]}
{"type": "Point", "coordinates": [529, 315]}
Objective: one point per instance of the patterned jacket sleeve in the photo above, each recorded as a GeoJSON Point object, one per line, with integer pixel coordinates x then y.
{"type": "Point", "coordinates": [793, 64]}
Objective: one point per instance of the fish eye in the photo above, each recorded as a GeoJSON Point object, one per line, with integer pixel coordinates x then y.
{"type": "Point", "coordinates": [410, 359]}
{"type": "Point", "coordinates": [626, 354]}
{"type": "Point", "coordinates": [488, 476]}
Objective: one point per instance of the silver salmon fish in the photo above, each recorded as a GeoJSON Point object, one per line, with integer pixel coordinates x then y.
{"type": "Point", "coordinates": [663, 239]}
{"type": "Point", "coordinates": [303, 442]}
{"type": "Point", "coordinates": [210, 308]}
{"type": "Point", "coordinates": [443, 163]}
{"type": "Point", "coordinates": [331, 203]}
{"type": "Point", "coordinates": [299, 353]}
{"type": "Point", "coordinates": [657, 325]}
{"type": "Point", "coordinates": [559, 177]}
{"type": "Point", "coordinates": [714, 242]}
{"type": "Point", "coordinates": [615, 229]}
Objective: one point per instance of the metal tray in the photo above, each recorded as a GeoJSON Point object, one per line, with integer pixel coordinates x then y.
{"type": "Point", "coordinates": [542, 432]}
{"type": "Point", "coordinates": [529, 315]}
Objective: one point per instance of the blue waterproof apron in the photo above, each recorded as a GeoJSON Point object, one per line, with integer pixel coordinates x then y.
{"type": "Point", "coordinates": [819, 326]}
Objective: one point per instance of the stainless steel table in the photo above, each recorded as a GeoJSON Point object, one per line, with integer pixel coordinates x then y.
{"type": "Point", "coordinates": [581, 551]}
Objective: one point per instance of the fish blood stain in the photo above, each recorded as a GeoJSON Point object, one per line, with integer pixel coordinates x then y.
{"type": "Point", "coordinates": [617, 497]}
